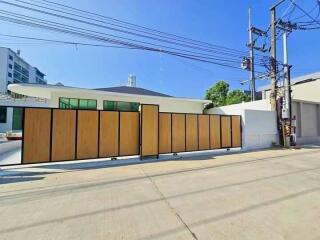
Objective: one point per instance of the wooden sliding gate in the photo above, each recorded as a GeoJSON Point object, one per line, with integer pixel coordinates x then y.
{"type": "Point", "coordinates": [52, 135]}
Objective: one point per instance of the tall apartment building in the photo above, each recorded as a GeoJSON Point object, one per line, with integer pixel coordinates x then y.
{"type": "Point", "coordinates": [14, 69]}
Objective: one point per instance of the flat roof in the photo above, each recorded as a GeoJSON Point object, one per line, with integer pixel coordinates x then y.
{"type": "Point", "coordinates": [45, 91]}
{"type": "Point", "coordinates": [305, 78]}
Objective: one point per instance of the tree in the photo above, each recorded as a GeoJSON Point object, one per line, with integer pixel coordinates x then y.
{"type": "Point", "coordinates": [220, 96]}
{"type": "Point", "coordinates": [237, 96]}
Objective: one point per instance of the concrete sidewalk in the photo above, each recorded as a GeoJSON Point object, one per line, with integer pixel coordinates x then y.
{"type": "Point", "coordinates": [271, 194]}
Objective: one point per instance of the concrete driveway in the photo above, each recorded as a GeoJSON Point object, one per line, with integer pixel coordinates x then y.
{"type": "Point", "coordinates": [272, 194]}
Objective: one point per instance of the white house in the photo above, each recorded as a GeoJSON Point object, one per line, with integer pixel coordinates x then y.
{"type": "Point", "coordinates": [123, 98]}
{"type": "Point", "coordinates": [115, 98]}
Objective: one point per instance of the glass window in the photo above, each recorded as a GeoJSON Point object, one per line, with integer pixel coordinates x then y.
{"type": "Point", "coordinates": [10, 57]}
{"type": "Point", "coordinates": [17, 119]}
{"type": "Point", "coordinates": [17, 67]}
{"type": "Point", "coordinates": [135, 107]}
{"type": "Point", "coordinates": [10, 65]}
{"type": "Point", "coordinates": [87, 104]}
{"type": "Point", "coordinates": [74, 103]}
{"type": "Point", "coordinates": [3, 115]}
{"type": "Point", "coordinates": [64, 103]}
{"type": "Point", "coordinates": [120, 106]}
{"type": "Point", "coordinates": [109, 105]}
{"type": "Point", "coordinates": [92, 104]}
{"type": "Point", "coordinates": [83, 104]}
{"type": "Point", "coordinates": [123, 106]}
{"type": "Point", "coordinates": [10, 75]}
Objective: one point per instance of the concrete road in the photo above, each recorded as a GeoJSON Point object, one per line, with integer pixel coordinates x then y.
{"type": "Point", "coordinates": [272, 194]}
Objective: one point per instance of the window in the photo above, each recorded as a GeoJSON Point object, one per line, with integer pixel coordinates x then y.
{"type": "Point", "coordinates": [17, 119]}
{"type": "Point", "coordinates": [3, 115]}
{"type": "Point", "coordinates": [10, 57]}
{"type": "Point", "coordinates": [25, 72]}
{"type": "Point", "coordinates": [9, 74]}
{"type": "Point", "coordinates": [70, 103]}
{"type": "Point", "coordinates": [17, 67]}
{"type": "Point", "coordinates": [10, 65]}
{"type": "Point", "coordinates": [87, 104]}
{"type": "Point", "coordinates": [120, 106]}
{"type": "Point", "coordinates": [75, 103]}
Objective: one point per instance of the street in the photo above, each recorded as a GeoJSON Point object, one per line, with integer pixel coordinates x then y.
{"type": "Point", "coordinates": [270, 194]}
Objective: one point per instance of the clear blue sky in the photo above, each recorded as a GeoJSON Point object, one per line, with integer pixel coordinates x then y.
{"type": "Point", "coordinates": [216, 21]}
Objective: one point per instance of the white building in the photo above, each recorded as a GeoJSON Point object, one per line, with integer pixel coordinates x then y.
{"type": "Point", "coordinates": [305, 106]}
{"type": "Point", "coordinates": [123, 98]}
{"type": "Point", "coordinates": [14, 69]}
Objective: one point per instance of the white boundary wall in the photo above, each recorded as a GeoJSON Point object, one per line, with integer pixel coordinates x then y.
{"type": "Point", "coordinates": [259, 123]}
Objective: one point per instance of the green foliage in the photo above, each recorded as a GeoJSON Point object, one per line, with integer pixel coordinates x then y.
{"type": "Point", "coordinates": [220, 95]}
{"type": "Point", "coordinates": [237, 96]}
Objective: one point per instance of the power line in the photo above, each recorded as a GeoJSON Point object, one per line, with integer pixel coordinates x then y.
{"type": "Point", "coordinates": [306, 13]}
{"type": "Point", "coordinates": [131, 24]}
{"type": "Point", "coordinates": [179, 54]}
{"type": "Point", "coordinates": [201, 48]}
{"type": "Point", "coordinates": [56, 24]}
{"type": "Point", "coordinates": [205, 46]}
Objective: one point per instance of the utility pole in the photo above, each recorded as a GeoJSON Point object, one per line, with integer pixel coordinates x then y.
{"type": "Point", "coordinates": [252, 75]}
{"type": "Point", "coordinates": [273, 94]}
{"type": "Point", "coordinates": [287, 28]}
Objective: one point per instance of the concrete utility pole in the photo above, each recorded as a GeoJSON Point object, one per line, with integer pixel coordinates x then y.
{"type": "Point", "coordinates": [252, 75]}
{"type": "Point", "coordinates": [286, 103]}
{"type": "Point", "coordinates": [273, 94]}
{"type": "Point", "coordinates": [286, 110]}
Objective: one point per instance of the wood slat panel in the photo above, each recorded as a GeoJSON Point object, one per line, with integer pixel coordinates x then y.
{"type": "Point", "coordinates": [87, 134]}
{"type": "Point", "coordinates": [129, 133]}
{"type": "Point", "coordinates": [204, 132]}
{"type": "Point", "coordinates": [215, 139]}
{"type": "Point", "coordinates": [191, 132]}
{"type": "Point", "coordinates": [165, 133]}
{"type": "Point", "coordinates": [226, 131]}
{"type": "Point", "coordinates": [36, 135]}
{"type": "Point", "coordinates": [63, 135]}
{"type": "Point", "coordinates": [236, 131]}
{"type": "Point", "coordinates": [178, 133]}
{"type": "Point", "coordinates": [109, 134]}
{"type": "Point", "coordinates": [149, 130]}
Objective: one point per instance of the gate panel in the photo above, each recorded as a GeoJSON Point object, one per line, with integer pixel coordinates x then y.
{"type": "Point", "coordinates": [204, 132]}
{"type": "Point", "coordinates": [236, 131]}
{"type": "Point", "coordinates": [178, 132]}
{"type": "Point", "coordinates": [109, 134]}
{"type": "Point", "coordinates": [149, 130]}
{"type": "Point", "coordinates": [87, 134]}
{"type": "Point", "coordinates": [129, 133]}
{"type": "Point", "coordinates": [36, 135]}
{"type": "Point", "coordinates": [226, 131]}
{"type": "Point", "coordinates": [215, 134]}
{"type": "Point", "coordinates": [191, 132]}
{"type": "Point", "coordinates": [63, 135]}
{"type": "Point", "coordinates": [165, 133]}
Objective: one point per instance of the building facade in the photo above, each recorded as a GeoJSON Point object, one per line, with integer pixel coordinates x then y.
{"type": "Point", "coordinates": [305, 106]}
{"type": "Point", "coordinates": [14, 69]}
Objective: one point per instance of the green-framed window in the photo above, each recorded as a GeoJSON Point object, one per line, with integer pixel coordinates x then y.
{"type": "Point", "coordinates": [75, 103]}
{"type": "Point", "coordinates": [120, 106]}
